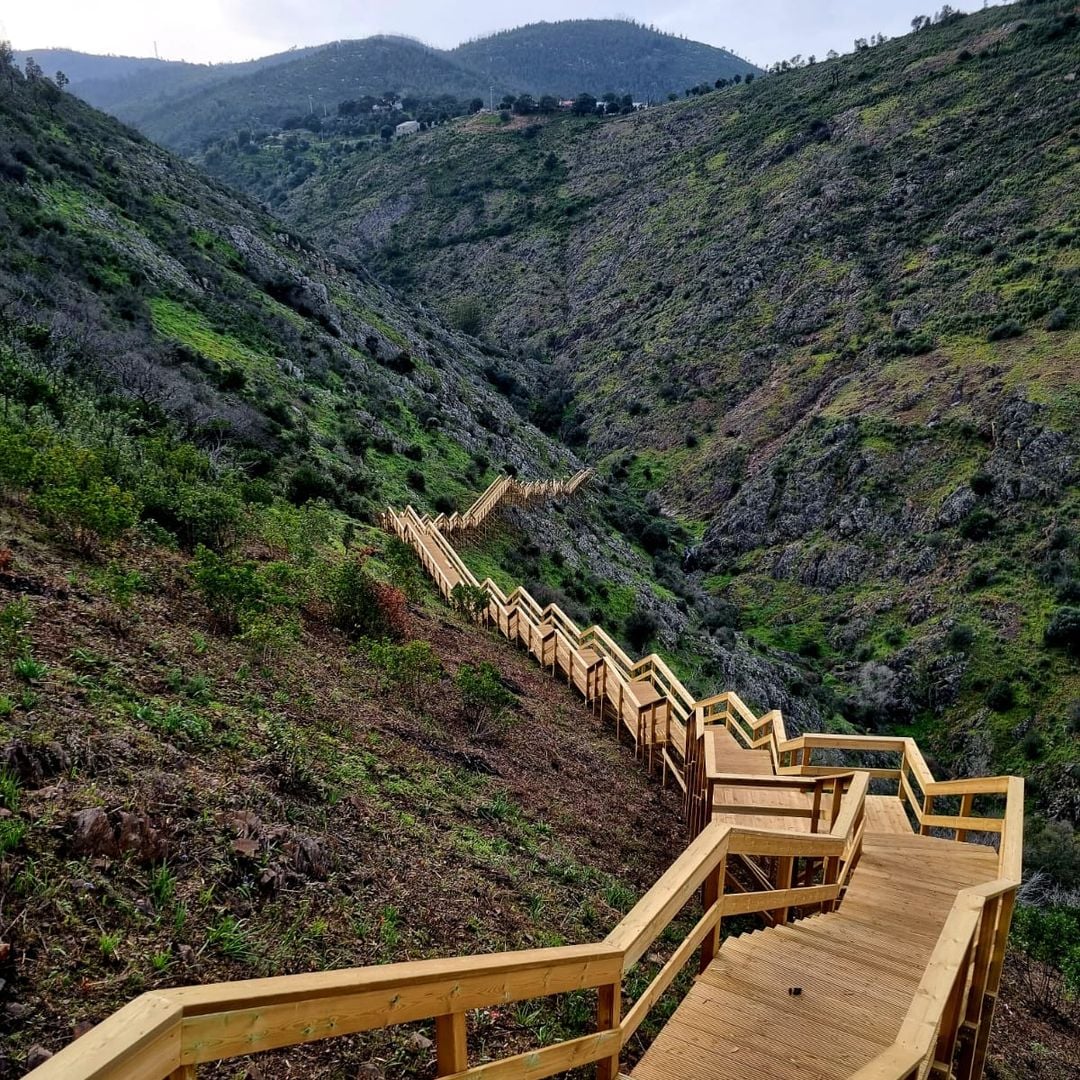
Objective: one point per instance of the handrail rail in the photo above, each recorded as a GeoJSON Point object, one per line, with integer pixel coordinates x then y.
{"type": "Point", "coordinates": [164, 1031]}
{"type": "Point", "coordinates": [971, 942]}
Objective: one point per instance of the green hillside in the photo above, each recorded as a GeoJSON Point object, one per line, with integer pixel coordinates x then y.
{"type": "Point", "coordinates": [831, 321]}
{"type": "Point", "coordinates": [315, 82]}
{"type": "Point", "coordinates": [597, 56]}
{"type": "Point", "coordinates": [186, 106]}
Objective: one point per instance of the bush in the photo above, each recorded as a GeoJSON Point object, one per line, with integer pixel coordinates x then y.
{"type": "Point", "coordinates": [410, 668]}
{"type": "Point", "coordinates": [84, 506]}
{"type": "Point", "coordinates": [1051, 938]}
{"type": "Point", "coordinates": [231, 590]}
{"type": "Point", "coordinates": [641, 626]}
{"type": "Point", "coordinates": [207, 515]}
{"type": "Point", "coordinates": [978, 525]}
{"type": "Point", "coordinates": [1053, 848]}
{"type": "Point", "coordinates": [1010, 328]}
{"type": "Point", "coordinates": [306, 484]}
{"type": "Point", "coordinates": [1063, 630]}
{"type": "Point", "coordinates": [364, 607]}
{"type": "Point", "coordinates": [1058, 319]}
{"type": "Point", "coordinates": [1001, 697]}
{"type": "Point", "coordinates": [982, 483]}
{"type": "Point", "coordinates": [485, 702]}
{"type": "Point", "coordinates": [470, 600]}
{"type": "Point", "coordinates": [89, 513]}
{"type": "Point", "coordinates": [960, 638]}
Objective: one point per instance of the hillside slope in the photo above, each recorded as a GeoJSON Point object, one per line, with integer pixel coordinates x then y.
{"type": "Point", "coordinates": [315, 82]}
{"type": "Point", "coordinates": [832, 319]}
{"type": "Point", "coordinates": [185, 106]}
{"type": "Point", "coordinates": [128, 271]}
{"type": "Point", "coordinates": [597, 56]}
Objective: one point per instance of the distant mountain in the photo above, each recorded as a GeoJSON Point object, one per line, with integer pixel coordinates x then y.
{"type": "Point", "coordinates": [184, 106]}
{"type": "Point", "coordinates": [130, 86]}
{"type": "Point", "coordinates": [313, 82]}
{"type": "Point", "coordinates": [597, 56]}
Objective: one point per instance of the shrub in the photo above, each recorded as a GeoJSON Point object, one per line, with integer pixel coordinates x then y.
{"type": "Point", "coordinates": [485, 702]}
{"type": "Point", "coordinates": [415, 479]}
{"type": "Point", "coordinates": [1063, 630]}
{"type": "Point", "coordinates": [364, 607]}
{"type": "Point", "coordinates": [469, 600]}
{"type": "Point", "coordinates": [306, 484]}
{"type": "Point", "coordinates": [982, 483]}
{"type": "Point", "coordinates": [1053, 848]}
{"type": "Point", "coordinates": [1058, 319]}
{"type": "Point", "coordinates": [208, 515]}
{"type": "Point", "coordinates": [269, 633]}
{"type": "Point", "coordinates": [640, 628]}
{"type": "Point", "coordinates": [1001, 697]}
{"type": "Point", "coordinates": [1033, 745]}
{"type": "Point", "coordinates": [230, 589]}
{"type": "Point", "coordinates": [410, 668]}
{"type": "Point", "coordinates": [978, 525]}
{"type": "Point", "coordinates": [979, 577]}
{"type": "Point", "coordinates": [1051, 938]}
{"type": "Point", "coordinates": [1010, 328]}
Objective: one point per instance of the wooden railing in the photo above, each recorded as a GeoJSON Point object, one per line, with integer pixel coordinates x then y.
{"type": "Point", "coordinates": [170, 1033]}
{"type": "Point", "coordinates": [967, 963]}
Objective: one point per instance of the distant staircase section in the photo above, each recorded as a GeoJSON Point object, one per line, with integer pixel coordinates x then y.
{"type": "Point", "coordinates": [506, 491]}
{"type": "Point", "coordinates": [885, 915]}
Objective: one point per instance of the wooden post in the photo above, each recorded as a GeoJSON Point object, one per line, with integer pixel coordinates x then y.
{"type": "Point", "coordinates": [967, 804]}
{"type": "Point", "coordinates": [712, 890]}
{"type": "Point", "coordinates": [831, 876]}
{"type": "Point", "coordinates": [927, 810]}
{"type": "Point", "coordinates": [451, 1046]}
{"type": "Point", "coordinates": [183, 1072]}
{"type": "Point", "coordinates": [609, 1005]}
{"type": "Point", "coordinates": [993, 979]}
{"type": "Point", "coordinates": [977, 997]}
{"type": "Point", "coordinates": [784, 871]}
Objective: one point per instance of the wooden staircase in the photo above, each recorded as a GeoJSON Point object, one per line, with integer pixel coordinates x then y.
{"type": "Point", "coordinates": [885, 922]}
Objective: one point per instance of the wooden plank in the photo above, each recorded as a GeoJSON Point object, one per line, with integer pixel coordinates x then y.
{"type": "Point", "coordinates": [536, 1064]}
{"type": "Point", "coordinates": [141, 1041]}
{"type": "Point", "coordinates": [775, 899]}
{"type": "Point", "coordinates": [231, 1019]}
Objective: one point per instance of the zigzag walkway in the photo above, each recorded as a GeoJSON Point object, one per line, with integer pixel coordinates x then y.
{"type": "Point", "coordinates": [884, 924]}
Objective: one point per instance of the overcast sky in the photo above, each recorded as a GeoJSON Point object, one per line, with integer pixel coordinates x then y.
{"type": "Point", "coordinates": [215, 30]}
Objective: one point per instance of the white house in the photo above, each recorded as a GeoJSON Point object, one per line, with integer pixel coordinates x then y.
{"type": "Point", "coordinates": [409, 127]}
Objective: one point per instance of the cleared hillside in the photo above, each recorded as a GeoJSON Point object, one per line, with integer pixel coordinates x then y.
{"type": "Point", "coordinates": [832, 318]}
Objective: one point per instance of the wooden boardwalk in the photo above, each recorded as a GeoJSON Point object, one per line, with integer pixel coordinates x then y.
{"type": "Point", "coordinates": [885, 915]}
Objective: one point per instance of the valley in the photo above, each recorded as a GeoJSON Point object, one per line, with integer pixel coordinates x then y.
{"type": "Point", "coordinates": [807, 340]}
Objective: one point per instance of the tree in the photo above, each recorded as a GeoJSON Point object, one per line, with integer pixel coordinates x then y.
{"type": "Point", "coordinates": [584, 105]}
{"type": "Point", "coordinates": [475, 105]}
{"type": "Point", "coordinates": [33, 69]}
{"type": "Point", "coordinates": [749, 78]}
{"type": "Point", "coordinates": [525, 105]}
{"type": "Point", "coordinates": [548, 104]}
{"type": "Point", "coordinates": [919, 22]}
{"type": "Point", "coordinates": [386, 133]}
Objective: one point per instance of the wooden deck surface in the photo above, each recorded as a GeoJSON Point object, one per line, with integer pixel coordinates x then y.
{"type": "Point", "coordinates": [857, 970]}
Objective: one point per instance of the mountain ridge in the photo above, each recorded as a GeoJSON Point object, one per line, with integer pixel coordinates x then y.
{"type": "Point", "coordinates": [183, 106]}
